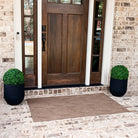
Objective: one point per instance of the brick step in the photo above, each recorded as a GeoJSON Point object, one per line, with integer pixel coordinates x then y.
{"type": "Point", "coordinates": [36, 93]}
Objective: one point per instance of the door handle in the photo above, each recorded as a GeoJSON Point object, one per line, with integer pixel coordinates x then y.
{"type": "Point", "coordinates": [43, 41]}
{"type": "Point", "coordinates": [43, 48]}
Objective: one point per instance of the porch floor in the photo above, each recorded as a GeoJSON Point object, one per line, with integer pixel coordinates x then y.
{"type": "Point", "coordinates": [16, 121]}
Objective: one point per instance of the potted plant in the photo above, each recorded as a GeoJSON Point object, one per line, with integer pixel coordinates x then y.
{"type": "Point", "coordinates": [13, 86]}
{"type": "Point", "coordinates": [118, 82]}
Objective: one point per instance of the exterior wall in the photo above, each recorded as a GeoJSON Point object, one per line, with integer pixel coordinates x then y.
{"type": "Point", "coordinates": [6, 37]}
{"type": "Point", "coordinates": [125, 39]}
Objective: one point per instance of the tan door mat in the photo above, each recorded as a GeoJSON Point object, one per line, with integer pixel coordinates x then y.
{"type": "Point", "coordinates": [56, 108]}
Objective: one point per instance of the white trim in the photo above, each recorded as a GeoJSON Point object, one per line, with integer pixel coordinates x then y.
{"type": "Point", "coordinates": [107, 51]}
{"type": "Point", "coordinates": [39, 38]}
{"type": "Point", "coordinates": [17, 37]}
{"type": "Point", "coordinates": [89, 42]}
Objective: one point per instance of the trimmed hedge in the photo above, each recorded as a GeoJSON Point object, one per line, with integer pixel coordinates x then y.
{"type": "Point", "coordinates": [119, 72]}
{"type": "Point", "coordinates": [13, 77]}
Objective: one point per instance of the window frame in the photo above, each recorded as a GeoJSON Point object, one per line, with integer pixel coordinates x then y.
{"type": "Point", "coordinates": [30, 79]}
{"type": "Point", "coordinates": [95, 77]}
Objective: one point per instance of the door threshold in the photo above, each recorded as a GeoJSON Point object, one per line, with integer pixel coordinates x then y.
{"type": "Point", "coordinates": [63, 86]}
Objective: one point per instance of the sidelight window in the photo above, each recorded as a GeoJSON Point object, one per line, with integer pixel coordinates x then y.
{"type": "Point", "coordinates": [97, 39]}
{"type": "Point", "coordinates": [98, 35]}
{"type": "Point", "coordinates": [28, 7]}
{"type": "Point", "coordinates": [29, 25]}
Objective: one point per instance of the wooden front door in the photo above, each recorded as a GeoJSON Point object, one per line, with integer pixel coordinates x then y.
{"type": "Point", "coordinates": [64, 40]}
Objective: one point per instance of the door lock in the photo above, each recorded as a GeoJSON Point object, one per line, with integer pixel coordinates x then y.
{"type": "Point", "coordinates": [43, 28]}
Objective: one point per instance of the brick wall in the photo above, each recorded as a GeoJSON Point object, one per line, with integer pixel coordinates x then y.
{"type": "Point", "coordinates": [125, 39]}
{"type": "Point", "coordinates": [6, 36]}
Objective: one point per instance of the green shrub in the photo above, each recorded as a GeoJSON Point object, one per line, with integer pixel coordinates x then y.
{"type": "Point", "coordinates": [13, 77]}
{"type": "Point", "coordinates": [119, 72]}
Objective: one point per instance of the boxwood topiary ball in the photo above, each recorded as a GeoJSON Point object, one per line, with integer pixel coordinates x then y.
{"type": "Point", "coordinates": [13, 77]}
{"type": "Point", "coordinates": [119, 72]}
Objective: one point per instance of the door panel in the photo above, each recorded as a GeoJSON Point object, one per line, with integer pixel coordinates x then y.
{"type": "Point", "coordinates": [74, 43]}
{"type": "Point", "coordinates": [54, 43]}
{"type": "Point", "coordinates": [66, 39]}
{"type": "Point", "coordinates": [58, 79]}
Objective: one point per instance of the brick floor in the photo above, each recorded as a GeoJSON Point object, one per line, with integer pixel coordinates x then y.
{"type": "Point", "coordinates": [16, 122]}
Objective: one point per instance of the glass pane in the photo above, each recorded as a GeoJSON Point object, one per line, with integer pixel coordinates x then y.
{"type": "Point", "coordinates": [53, 1]}
{"type": "Point", "coordinates": [65, 1]}
{"type": "Point", "coordinates": [76, 1]}
{"type": "Point", "coordinates": [28, 7]}
{"type": "Point", "coordinates": [29, 46]}
{"type": "Point", "coordinates": [28, 26]}
{"type": "Point", "coordinates": [98, 28]}
{"type": "Point", "coordinates": [95, 64]}
{"type": "Point", "coordinates": [96, 49]}
{"type": "Point", "coordinates": [29, 65]}
{"type": "Point", "coordinates": [99, 9]}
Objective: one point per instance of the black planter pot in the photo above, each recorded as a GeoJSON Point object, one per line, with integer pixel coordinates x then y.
{"type": "Point", "coordinates": [14, 94]}
{"type": "Point", "coordinates": [118, 87]}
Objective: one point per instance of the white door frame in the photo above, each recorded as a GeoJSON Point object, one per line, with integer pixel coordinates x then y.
{"type": "Point", "coordinates": [89, 42]}
{"type": "Point", "coordinates": [18, 37]}
{"type": "Point", "coordinates": [107, 50]}
{"type": "Point", "coordinates": [107, 46]}
{"type": "Point", "coordinates": [39, 38]}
